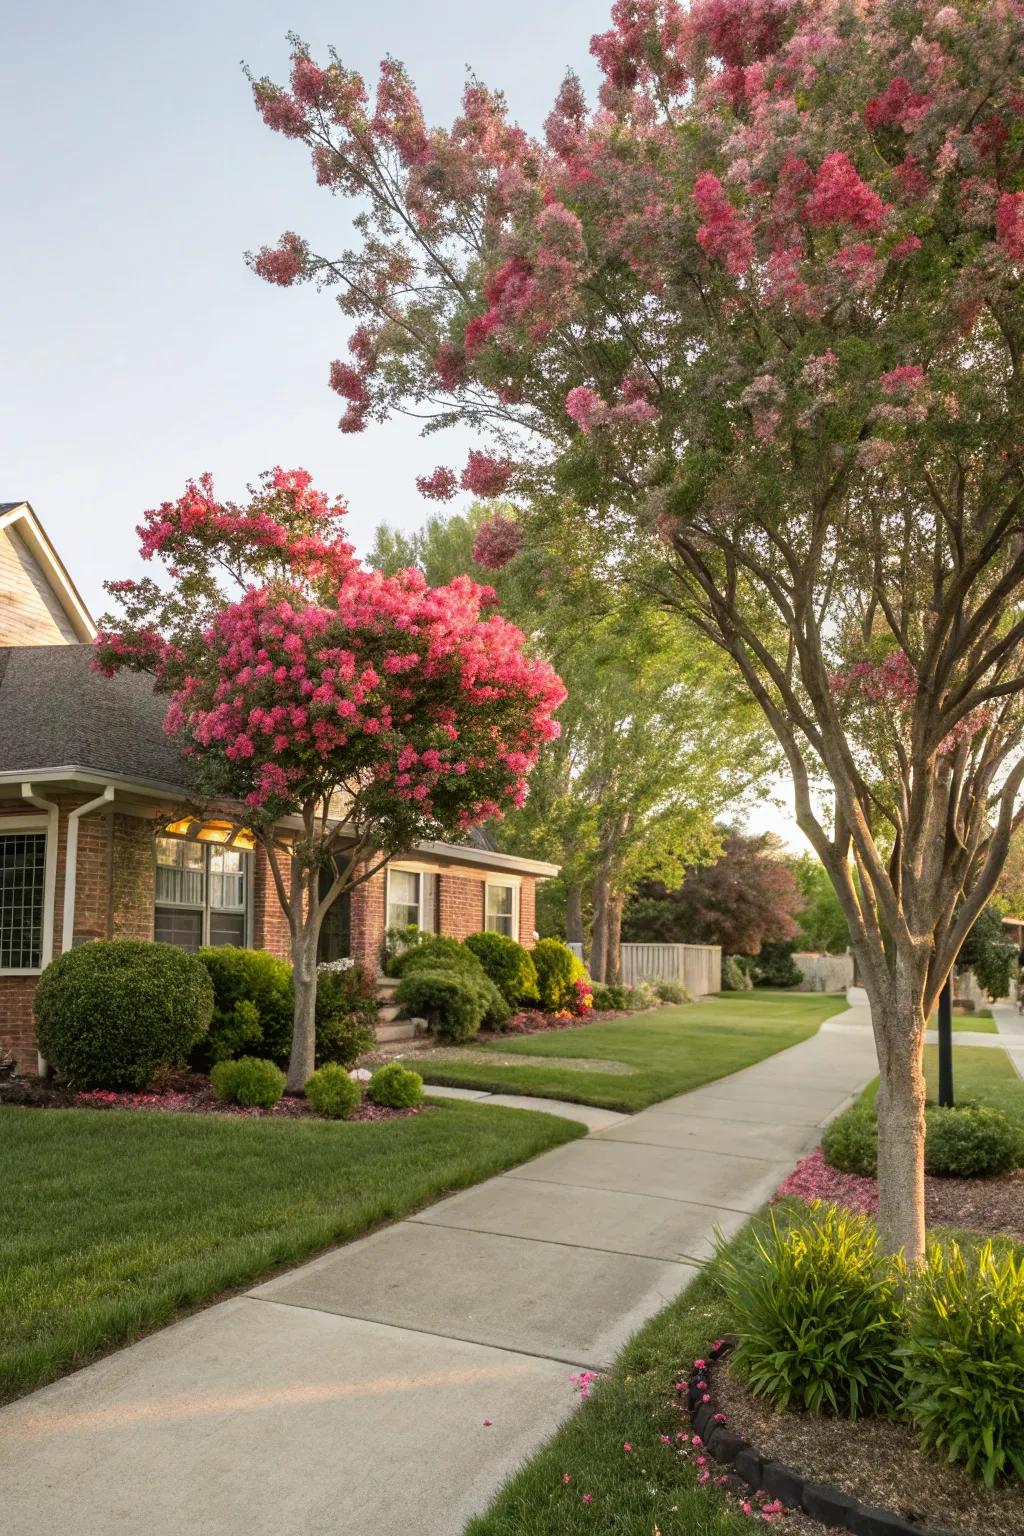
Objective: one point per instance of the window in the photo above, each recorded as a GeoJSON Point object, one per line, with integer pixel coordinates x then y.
{"type": "Point", "coordinates": [22, 881]}
{"type": "Point", "coordinates": [501, 912]}
{"type": "Point", "coordinates": [412, 899]}
{"type": "Point", "coordinates": [336, 928]}
{"type": "Point", "coordinates": [201, 893]}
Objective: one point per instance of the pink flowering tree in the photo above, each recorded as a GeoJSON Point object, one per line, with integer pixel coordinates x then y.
{"type": "Point", "coordinates": [343, 714]}
{"type": "Point", "coordinates": [749, 333]}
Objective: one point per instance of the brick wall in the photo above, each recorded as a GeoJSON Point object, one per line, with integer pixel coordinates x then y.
{"type": "Point", "coordinates": [527, 911]}
{"type": "Point", "coordinates": [369, 919]}
{"type": "Point", "coordinates": [29, 612]}
{"type": "Point", "coordinates": [17, 1024]}
{"type": "Point", "coordinates": [270, 926]}
{"type": "Point", "coordinates": [132, 878]}
{"type": "Point", "coordinates": [460, 905]}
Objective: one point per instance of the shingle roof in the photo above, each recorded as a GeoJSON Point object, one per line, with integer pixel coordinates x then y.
{"type": "Point", "coordinates": [56, 712]}
{"type": "Point", "coordinates": [9, 506]}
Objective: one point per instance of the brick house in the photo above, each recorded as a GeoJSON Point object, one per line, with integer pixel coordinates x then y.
{"type": "Point", "coordinates": [100, 836]}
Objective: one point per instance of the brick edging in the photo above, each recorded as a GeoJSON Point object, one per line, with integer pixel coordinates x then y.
{"type": "Point", "coordinates": [820, 1501]}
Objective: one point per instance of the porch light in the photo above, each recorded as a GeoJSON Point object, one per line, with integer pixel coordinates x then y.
{"type": "Point", "coordinates": [225, 833]}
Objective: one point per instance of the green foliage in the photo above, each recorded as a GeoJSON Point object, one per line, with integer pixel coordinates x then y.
{"type": "Point", "coordinates": [610, 996]}
{"type": "Point", "coordinates": [332, 1092]}
{"type": "Point", "coordinates": [451, 1001]}
{"type": "Point", "coordinates": [397, 941]}
{"type": "Point", "coordinates": [508, 965]}
{"type": "Point", "coordinates": [735, 977]}
{"type": "Point", "coordinates": [970, 1142]}
{"type": "Point", "coordinates": [672, 992]}
{"type": "Point", "coordinates": [818, 1313]}
{"type": "Point", "coordinates": [346, 1012]}
{"type": "Point", "coordinates": [964, 1361]}
{"type": "Point", "coordinates": [253, 1005]}
{"type": "Point", "coordinates": [989, 954]}
{"type": "Point", "coordinates": [775, 966]}
{"type": "Point", "coordinates": [823, 928]}
{"type": "Point", "coordinates": [435, 952]}
{"type": "Point", "coordinates": [850, 1143]}
{"type": "Point", "coordinates": [249, 1081]}
{"type": "Point", "coordinates": [496, 1012]}
{"type": "Point", "coordinates": [558, 970]}
{"type": "Point", "coordinates": [396, 1086]}
{"type": "Point", "coordinates": [113, 1013]}
{"type": "Point", "coordinates": [643, 994]}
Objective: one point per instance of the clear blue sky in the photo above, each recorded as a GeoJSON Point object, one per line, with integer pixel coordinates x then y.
{"type": "Point", "coordinates": [134, 174]}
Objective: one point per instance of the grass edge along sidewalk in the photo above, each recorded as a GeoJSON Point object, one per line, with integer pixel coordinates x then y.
{"type": "Point", "coordinates": [116, 1223]}
{"type": "Point", "coordinates": [670, 1050]}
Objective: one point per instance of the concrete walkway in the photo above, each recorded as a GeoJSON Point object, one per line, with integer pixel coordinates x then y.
{"type": "Point", "coordinates": [393, 1383]}
{"type": "Point", "coordinates": [1010, 1024]}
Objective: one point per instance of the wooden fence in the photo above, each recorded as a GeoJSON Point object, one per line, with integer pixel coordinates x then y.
{"type": "Point", "coordinates": [697, 967]}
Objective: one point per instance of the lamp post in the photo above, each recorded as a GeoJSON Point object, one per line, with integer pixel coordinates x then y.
{"type": "Point", "coordinates": [946, 1043]}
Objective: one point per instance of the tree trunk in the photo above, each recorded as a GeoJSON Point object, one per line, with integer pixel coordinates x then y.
{"type": "Point", "coordinates": [302, 1061]}
{"type": "Point", "coordinates": [613, 941]}
{"type": "Point", "coordinates": [599, 940]}
{"type": "Point", "coordinates": [574, 915]}
{"type": "Point", "coordinates": [898, 1021]}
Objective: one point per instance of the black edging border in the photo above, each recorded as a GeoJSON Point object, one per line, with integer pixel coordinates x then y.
{"type": "Point", "coordinates": [822, 1502]}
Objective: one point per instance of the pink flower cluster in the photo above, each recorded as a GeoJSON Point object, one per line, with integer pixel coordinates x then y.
{"type": "Point", "coordinates": [813, 1179]}
{"type": "Point", "coordinates": [724, 235]}
{"type": "Point", "coordinates": [840, 197]}
{"type": "Point", "coordinates": [497, 541]}
{"type": "Point", "coordinates": [284, 263]}
{"type": "Point", "coordinates": [892, 681]}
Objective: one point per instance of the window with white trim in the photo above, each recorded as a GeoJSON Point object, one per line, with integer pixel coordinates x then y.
{"type": "Point", "coordinates": [22, 889]}
{"type": "Point", "coordinates": [412, 899]}
{"type": "Point", "coordinates": [501, 909]}
{"type": "Point", "coordinates": [201, 893]}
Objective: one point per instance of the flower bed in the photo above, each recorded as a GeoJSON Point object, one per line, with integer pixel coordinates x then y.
{"type": "Point", "coordinates": [180, 1093]}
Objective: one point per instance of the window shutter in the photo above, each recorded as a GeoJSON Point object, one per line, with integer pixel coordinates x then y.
{"type": "Point", "coordinates": [428, 902]}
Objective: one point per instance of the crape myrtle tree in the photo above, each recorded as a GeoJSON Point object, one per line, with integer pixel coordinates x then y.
{"type": "Point", "coordinates": [657, 737]}
{"type": "Point", "coordinates": [755, 326]}
{"type": "Point", "coordinates": [345, 713]}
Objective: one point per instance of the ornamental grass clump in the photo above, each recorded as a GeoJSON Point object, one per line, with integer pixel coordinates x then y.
{"type": "Point", "coordinates": [964, 1360]}
{"type": "Point", "coordinates": [818, 1313]}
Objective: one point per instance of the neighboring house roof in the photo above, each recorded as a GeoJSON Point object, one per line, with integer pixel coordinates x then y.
{"type": "Point", "coordinates": [20, 519]}
{"type": "Point", "coordinates": [60, 719]}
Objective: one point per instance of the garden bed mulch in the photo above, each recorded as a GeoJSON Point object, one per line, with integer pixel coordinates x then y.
{"type": "Point", "coordinates": [181, 1093]}
{"type": "Point", "coordinates": [994, 1205]}
{"type": "Point", "coordinates": [873, 1460]}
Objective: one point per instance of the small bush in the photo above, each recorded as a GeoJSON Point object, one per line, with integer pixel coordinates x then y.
{"type": "Point", "coordinates": [508, 965]}
{"type": "Point", "coordinates": [970, 1142]}
{"type": "Point", "coordinates": [734, 977]}
{"type": "Point", "coordinates": [672, 992]}
{"type": "Point", "coordinates": [610, 996]}
{"type": "Point", "coordinates": [774, 965]}
{"type": "Point", "coordinates": [249, 1081]}
{"type": "Point", "coordinates": [114, 1012]}
{"type": "Point", "coordinates": [452, 1003]}
{"type": "Point", "coordinates": [436, 953]}
{"type": "Point", "coordinates": [964, 1361]}
{"type": "Point", "coordinates": [396, 1086]}
{"type": "Point", "coordinates": [346, 1012]}
{"type": "Point", "coordinates": [818, 1313]}
{"type": "Point", "coordinates": [850, 1143]}
{"type": "Point", "coordinates": [496, 1011]}
{"type": "Point", "coordinates": [558, 970]}
{"type": "Point", "coordinates": [333, 1093]}
{"type": "Point", "coordinates": [641, 995]}
{"type": "Point", "coordinates": [253, 1006]}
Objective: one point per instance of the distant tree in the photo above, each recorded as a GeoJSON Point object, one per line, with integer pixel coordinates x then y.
{"type": "Point", "coordinates": [748, 897]}
{"type": "Point", "coordinates": [821, 920]}
{"type": "Point", "coordinates": [990, 954]}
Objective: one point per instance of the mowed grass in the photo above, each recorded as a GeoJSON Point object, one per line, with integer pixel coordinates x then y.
{"type": "Point", "coordinates": [670, 1051]}
{"type": "Point", "coordinates": [114, 1222]}
{"type": "Point", "coordinates": [980, 1023]}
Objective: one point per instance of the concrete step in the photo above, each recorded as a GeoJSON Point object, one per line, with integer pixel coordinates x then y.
{"type": "Point", "coordinates": [388, 1012]}
{"type": "Point", "coordinates": [400, 1029]}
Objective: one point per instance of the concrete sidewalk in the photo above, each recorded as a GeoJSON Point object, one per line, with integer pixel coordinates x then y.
{"type": "Point", "coordinates": [394, 1383]}
{"type": "Point", "coordinates": [1010, 1024]}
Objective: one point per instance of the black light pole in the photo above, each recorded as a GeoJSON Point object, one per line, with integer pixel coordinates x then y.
{"type": "Point", "coordinates": [946, 1043]}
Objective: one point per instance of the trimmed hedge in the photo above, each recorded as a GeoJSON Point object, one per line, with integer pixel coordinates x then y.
{"type": "Point", "coordinates": [452, 1002]}
{"type": "Point", "coordinates": [971, 1141]}
{"type": "Point", "coordinates": [436, 952]}
{"type": "Point", "coordinates": [508, 965]}
{"type": "Point", "coordinates": [114, 1012]}
{"type": "Point", "coordinates": [346, 1011]}
{"type": "Point", "coordinates": [558, 971]}
{"type": "Point", "coordinates": [252, 1006]}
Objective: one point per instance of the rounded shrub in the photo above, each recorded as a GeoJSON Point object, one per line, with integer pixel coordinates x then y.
{"type": "Point", "coordinates": [114, 1012]}
{"type": "Point", "coordinates": [774, 965]}
{"type": "Point", "coordinates": [496, 1011]}
{"type": "Point", "coordinates": [964, 1360]}
{"type": "Point", "coordinates": [396, 1086]}
{"type": "Point", "coordinates": [818, 1313]}
{"type": "Point", "coordinates": [436, 953]}
{"type": "Point", "coordinates": [252, 1006]}
{"type": "Point", "coordinates": [970, 1142]}
{"type": "Point", "coordinates": [451, 1002]}
{"type": "Point", "coordinates": [850, 1143]}
{"type": "Point", "coordinates": [672, 992]}
{"type": "Point", "coordinates": [610, 996]}
{"type": "Point", "coordinates": [250, 1081]}
{"type": "Point", "coordinates": [508, 965]}
{"type": "Point", "coordinates": [346, 1011]}
{"type": "Point", "coordinates": [333, 1093]}
{"type": "Point", "coordinates": [558, 971]}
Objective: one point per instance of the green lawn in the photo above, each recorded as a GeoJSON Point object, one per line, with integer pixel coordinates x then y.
{"type": "Point", "coordinates": [983, 1072]}
{"type": "Point", "coordinates": [112, 1222]}
{"type": "Point", "coordinates": [650, 1489]}
{"type": "Point", "coordinates": [672, 1050]}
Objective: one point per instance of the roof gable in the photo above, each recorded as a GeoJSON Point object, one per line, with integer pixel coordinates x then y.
{"type": "Point", "coordinates": [39, 600]}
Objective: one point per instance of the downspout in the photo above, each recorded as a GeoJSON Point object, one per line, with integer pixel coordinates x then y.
{"type": "Point", "coordinates": [71, 863]}
{"type": "Point", "coordinates": [49, 883]}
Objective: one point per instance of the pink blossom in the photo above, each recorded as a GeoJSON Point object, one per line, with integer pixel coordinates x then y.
{"type": "Point", "coordinates": [486, 476]}
{"type": "Point", "coordinates": [723, 235]}
{"type": "Point", "coordinates": [840, 197]}
{"type": "Point", "coordinates": [900, 380]}
{"type": "Point", "coordinates": [585, 408]}
{"type": "Point", "coordinates": [497, 541]}
{"type": "Point", "coordinates": [1010, 224]}
{"type": "Point", "coordinates": [284, 263]}
{"type": "Point", "coordinates": [440, 486]}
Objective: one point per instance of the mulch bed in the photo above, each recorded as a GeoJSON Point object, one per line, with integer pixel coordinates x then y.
{"type": "Point", "coordinates": [186, 1093]}
{"type": "Point", "coordinates": [994, 1205]}
{"type": "Point", "coordinates": [874, 1460]}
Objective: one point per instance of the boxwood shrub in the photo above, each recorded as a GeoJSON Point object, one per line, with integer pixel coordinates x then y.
{"type": "Point", "coordinates": [396, 1086]}
{"type": "Point", "coordinates": [435, 953]}
{"type": "Point", "coordinates": [971, 1141]}
{"type": "Point", "coordinates": [558, 971]}
{"type": "Point", "coordinates": [250, 1081]}
{"type": "Point", "coordinates": [252, 1006]}
{"type": "Point", "coordinates": [114, 1012]}
{"type": "Point", "coordinates": [452, 1003]}
{"type": "Point", "coordinates": [508, 965]}
{"type": "Point", "coordinates": [333, 1093]}
{"type": "Point", "coordinates": [346, 1011]}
